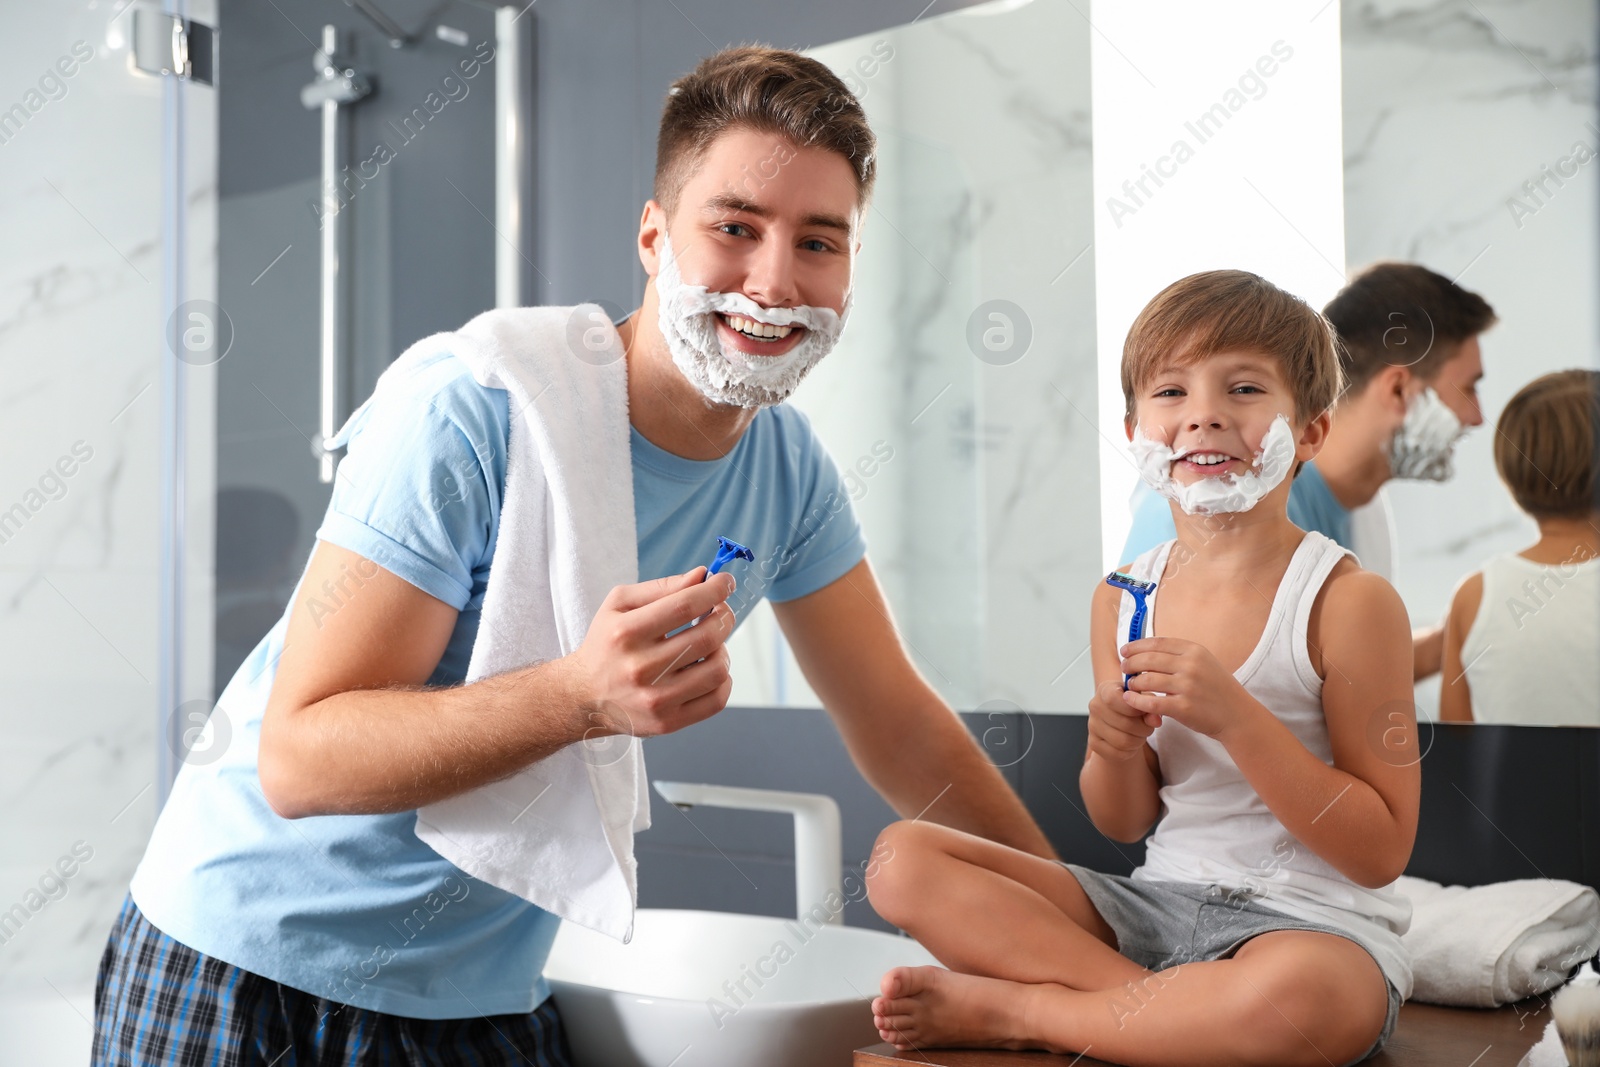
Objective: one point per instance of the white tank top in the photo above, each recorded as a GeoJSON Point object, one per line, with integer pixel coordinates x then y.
{"type": "Point", "coordinates": [1214, 827]}
{"type": "Point", "coordinates": [1530, 653]}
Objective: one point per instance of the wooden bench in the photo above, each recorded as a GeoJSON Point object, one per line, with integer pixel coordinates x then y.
{"type": "Point", "coordinates": [1425, 1036]}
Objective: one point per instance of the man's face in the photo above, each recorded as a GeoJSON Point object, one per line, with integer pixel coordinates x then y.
{"type": "Point", "coordinates": [767, 219]}
{"type": "Point", "coordinates": [1456, 382]}
{"type": "Point", "coordinates": [1214, 413]}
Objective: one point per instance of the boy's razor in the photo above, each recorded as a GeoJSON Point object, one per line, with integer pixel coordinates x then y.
{"type": "Point", "coordinates": [1139, 589]}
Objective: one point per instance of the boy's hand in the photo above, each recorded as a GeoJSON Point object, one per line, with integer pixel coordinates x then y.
{"type": "Point", "coordinates": [1184, 680]}
{"type": "Point", "coordinates": [1117, 731]}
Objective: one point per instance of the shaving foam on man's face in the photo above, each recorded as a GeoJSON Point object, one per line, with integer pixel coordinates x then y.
{"type": "Point", "coordinates": [725, 372]}
{"type": "Point", "coordinates": [1219, 487]}
{"type": "Point", "coordinates": [1424, 445]}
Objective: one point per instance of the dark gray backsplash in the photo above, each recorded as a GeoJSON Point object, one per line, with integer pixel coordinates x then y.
{"type": "Point", "coordinates": [1498, 803]}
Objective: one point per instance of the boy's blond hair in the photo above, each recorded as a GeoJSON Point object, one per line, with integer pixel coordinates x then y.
{"type": "Point", "coordinates": [1545, 444]}
{"type": "Point", "coordinates": [1234, 311]}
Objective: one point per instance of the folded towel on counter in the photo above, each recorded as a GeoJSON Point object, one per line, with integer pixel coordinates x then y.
{"type": "Point", "coordinates": [1488, 945]}
{"type": "Point", "coordinates": [558, 833]}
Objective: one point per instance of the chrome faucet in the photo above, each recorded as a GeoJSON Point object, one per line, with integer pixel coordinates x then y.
{"type": "Point", "coordinates": [818, 856]}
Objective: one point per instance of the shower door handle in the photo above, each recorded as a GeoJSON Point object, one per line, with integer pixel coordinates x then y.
{"type": "Point", "coordinates": [335, 87]}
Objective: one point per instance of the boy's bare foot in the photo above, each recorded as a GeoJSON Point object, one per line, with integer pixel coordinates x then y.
{"type": "Point", "coordinates": [931, 1007]}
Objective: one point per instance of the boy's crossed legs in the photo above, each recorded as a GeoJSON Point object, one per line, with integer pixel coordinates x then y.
{"type": "Point", "coordinates": [1034, 965]}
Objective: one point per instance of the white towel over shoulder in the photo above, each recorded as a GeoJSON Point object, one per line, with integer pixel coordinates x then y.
{"type": "Point", "coordinates": [1494, 944]}
{"type": "Point", "coordinates": [558, 833]}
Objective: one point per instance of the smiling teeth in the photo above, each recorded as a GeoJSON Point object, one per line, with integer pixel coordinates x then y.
{"type": "Point", "coordinates": [765, 331]}
{"type": "Point", "coordinates": [1206, 459]}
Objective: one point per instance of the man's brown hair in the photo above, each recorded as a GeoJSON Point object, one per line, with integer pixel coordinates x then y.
{"type": "Point", "coordinates": [1402, 314]}
{"type": "Point", "coordinates": [1545, 445]}
{"type": "Point", "coordinates": [1233, 310]}
{"type": "Point", "coordinates": [768, 90]}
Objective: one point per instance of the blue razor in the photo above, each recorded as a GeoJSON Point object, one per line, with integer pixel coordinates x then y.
{"type": "Point", "coordinates": [727, 552]}
{"type": "Point", "coordinates": [1140, 589]}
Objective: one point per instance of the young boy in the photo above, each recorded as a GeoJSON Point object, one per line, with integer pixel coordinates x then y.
{"type": "Point", "coordinates": [1526, 626]}
{"type": "Point", "coordinates": [1410, 357]}
{"type": "Point", "coordinates": [1268, 724]}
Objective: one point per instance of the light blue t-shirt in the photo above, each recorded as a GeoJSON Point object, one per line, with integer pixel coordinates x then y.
{"type": "Point", "coordinates": [354, 907]}
{"type": "Point", "coordinates": [1311, 507]}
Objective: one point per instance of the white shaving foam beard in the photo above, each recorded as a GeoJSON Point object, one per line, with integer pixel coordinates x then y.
{"type": "Point", "coordinates": [1424, 445]}
{"type": "Point", "coordinates": [724, 374]}
{"type": "Point", "coordinates": [1223, 493]}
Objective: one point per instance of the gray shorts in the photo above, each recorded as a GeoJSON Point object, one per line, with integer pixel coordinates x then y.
{"type": "Point", "coordinates": [1162, 924]}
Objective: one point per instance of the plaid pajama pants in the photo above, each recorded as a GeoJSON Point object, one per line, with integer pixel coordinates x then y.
{"type": "Point", "coordinates": [158, 1001]}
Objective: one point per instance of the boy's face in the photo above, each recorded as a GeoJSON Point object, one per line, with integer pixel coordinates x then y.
{"type": "Point", "coordinates": [763, 218]}
{"type": "Point", "coordinates": [1215, 412]}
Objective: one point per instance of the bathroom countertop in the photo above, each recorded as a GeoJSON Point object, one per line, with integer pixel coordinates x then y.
{"type": "Point", "coordinates": [1425, 1036]}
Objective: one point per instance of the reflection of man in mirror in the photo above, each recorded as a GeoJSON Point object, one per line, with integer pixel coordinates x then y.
{"type": "Point", "coordinates": [1411, 361]}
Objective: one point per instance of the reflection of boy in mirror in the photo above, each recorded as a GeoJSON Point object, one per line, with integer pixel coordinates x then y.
{"type": "Point", "coordinates": [1263, 926]}
{"type": "Point", "coordinates": [1527, 625]}
{"type": "Point", "coordinates": [1409, 351]}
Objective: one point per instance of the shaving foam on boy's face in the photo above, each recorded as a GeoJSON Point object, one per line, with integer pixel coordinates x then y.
{"type": "Point", "coordinates": [1216, 493]}
{"type": "Point", "coordinates": [689, 318]}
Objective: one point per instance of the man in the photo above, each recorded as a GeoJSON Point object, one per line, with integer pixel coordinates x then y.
{"type": "Point", "coordinates": [1411, 361]}
{"type": "Point", "coordinates": [285, 898]}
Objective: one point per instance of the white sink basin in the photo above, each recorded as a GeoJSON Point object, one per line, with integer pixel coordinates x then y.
{"type": "Point", "coordinates": [672, 997]}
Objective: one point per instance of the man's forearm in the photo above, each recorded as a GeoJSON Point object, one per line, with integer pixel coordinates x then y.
{"type": "Point", "coordinates": [940, 774]}
{"type": "Point", "coordinates": [370, 751]}
{"type": "Point", "coordinates": [1427, 652]}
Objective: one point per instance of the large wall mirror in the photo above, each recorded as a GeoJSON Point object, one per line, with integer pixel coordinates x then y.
{"type": "Point", "coordinates": [1470, 144]}
{"type": "Point", "coordinates": [962, 402]}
